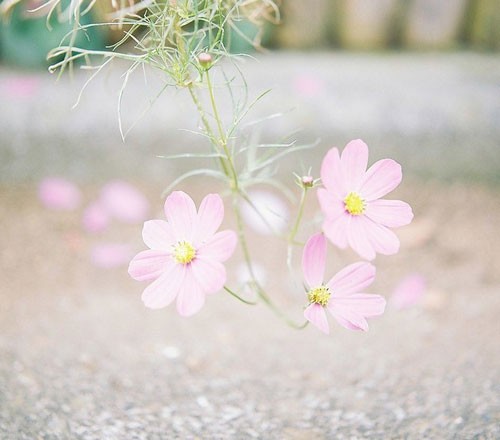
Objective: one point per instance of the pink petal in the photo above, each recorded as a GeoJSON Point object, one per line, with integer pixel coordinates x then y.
{"type": "Point", "coordinates": [382, 239]}
{"type": "Point", "coordinates": [161, 292]}
{"type": "Point", "coordinates": [220, 247]}
{"type": "Point", "coordinates": [363, 304]}
{"type": "Point", "coordinates": [332, 175]}
{"type": "Point", "coordinates": [109, 255]}
{"type": "Point", "coordinates": [354, 161]}
{"type": "Point", "coordinates": [381, 178]}
{"type": "Point", "coordinates": [331, 206]}
{"type": "Point", "coordinates": [352, 279]}
{"type": "Point", "coordinates": [180, 211]}
{"type": "Point", "coordinates": [59, 194]}
{"type": "Point", "coordinates": [316, 315]}
{"type": "Point", "coordinates": [209, 274]}
{"type": "Point", "coordinates": [357, 237]}
{"type": "Point", "coordinates": [149, 265]}
{"type": "Point", "coordinates": [390, 213]}
{"type": "Point", "coordinates": [191, 296]}
{"type": "Point", "coordinates": [210, 216]}
{"type": "Point", "coordinates": [124, 202]}
{"type": "Point", "coordinates": [157, 234]}
{"type": "Point", "coordinates": [337, 230]}
{"type": "Point", "coordinates": [95, 218]}
{"type": "Point", "coordinates": [314, 260]}
{"type": "Point", "coordinates": [347, 318]}
{"type": "Point", "coordinates": [408, 292]}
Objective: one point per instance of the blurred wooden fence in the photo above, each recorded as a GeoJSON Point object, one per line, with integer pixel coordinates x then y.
{"type": "Point", "coordinates": [379, 24]}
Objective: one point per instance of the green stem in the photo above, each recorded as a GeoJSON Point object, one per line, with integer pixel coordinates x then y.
{"type": "Point", "coordinates": [296, 225]}
{"type": "Point", "coordinates": [228, 290]}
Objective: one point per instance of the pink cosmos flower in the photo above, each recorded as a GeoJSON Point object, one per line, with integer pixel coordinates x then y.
{"type": "Point", "coordinates": [355, 214]}
{"type": "Point", "coordinates": [186, 254]}
{"type": "Point", "coordinates": [339, 295]}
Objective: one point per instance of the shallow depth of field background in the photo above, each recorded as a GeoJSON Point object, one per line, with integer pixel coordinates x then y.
{"type": "Point", "coordinates": [80, 357]}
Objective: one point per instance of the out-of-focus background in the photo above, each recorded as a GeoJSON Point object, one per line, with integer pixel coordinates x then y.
{"type": "Point", "coordinates": [80, 357]}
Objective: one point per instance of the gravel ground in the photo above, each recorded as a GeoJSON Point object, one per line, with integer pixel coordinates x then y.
{"type": "Point", "coordinates": [80, 357]}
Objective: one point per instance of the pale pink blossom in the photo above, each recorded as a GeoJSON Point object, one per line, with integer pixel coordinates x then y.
{"type": "Point", "coordinates": [59, 194]}
{"type": "Point", "coordinates": [409, 291]}
{"type": "Point", "coordinates": [355, 215]}
{"type": "Point", "coordinates": [124, 202]}
{"type": "Point", "coordinates": [185, 254]}
{"type": "Point", "coordinates": [110, 255]}
{"type": "Point", "coordinates": [95, 217]}
{"type": "Point", "coordinates": [340, 296]}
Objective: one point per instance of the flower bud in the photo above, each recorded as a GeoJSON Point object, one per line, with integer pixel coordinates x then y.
{"type": "Point", "coordinates": [205, 59]}
{"type": "Point", "coordinates": [307, 181]}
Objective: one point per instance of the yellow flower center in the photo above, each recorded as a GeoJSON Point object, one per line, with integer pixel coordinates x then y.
{"type": "Point", "coordinates": [354, 204]}
{"type": "Point", "coordinates": [319, 295]}
{"type": "Point", "coordinates": [184, 252]}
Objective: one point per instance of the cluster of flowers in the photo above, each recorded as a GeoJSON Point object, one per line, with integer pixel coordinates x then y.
{"type": "Point", "coordinates": [186, 253]}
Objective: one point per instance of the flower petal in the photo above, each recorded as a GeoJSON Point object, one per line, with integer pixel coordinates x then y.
{"type": "Point", "coordinates": [382, 239]}
{"type": "Point", "coordinates": [352, 279]}
{"type": "Point", "coordinates": [337, 230]}
{"type": "Point", "coordinates": [363, 304]}
{"type": "Point", "coordinates": [381, 178]}
{"type": "Point", "coordinates": [161, 292]}
{"type": "Point", "coordinates": [316, 315]}
{"type": "Point", "coordinates": [354, 161]}
{"type": "Point", "coordinates": [191, 297]}
{"type": "Point", "coordinates": [157, 234]}
{"type": "Point", "coordinates": [357, 237]}
{"type": "Point", "coordinates": [331, 206]}
{"type": "Point", "coordinates": [149, 265]}
{"type": "Point", "coordinates": [347, 318]}
{"type": "Point", "coordinates": [390, 213]}
{"type": "Point", "coordinates": [314, 260]}
{"type": "Point", "coordinates": [220, 247]}
{"type": "Point", "coordinates": [331, 174]}
{"type": "Point", "coordinates": [210, 216]}
{"type": "Point", "coordinates": [210, 274]}
{"type": "Point", "coordinates": [180, 211]}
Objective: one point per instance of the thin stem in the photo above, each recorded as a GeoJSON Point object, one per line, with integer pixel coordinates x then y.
{"type": "Point", "coordinates": [255, 284]}
{"type": "Point", "coordinates": [222, 134]}
{"type": "Point", "coordinates": [300, 212]}
{"type": "Point", "coordinates": [250, 303]}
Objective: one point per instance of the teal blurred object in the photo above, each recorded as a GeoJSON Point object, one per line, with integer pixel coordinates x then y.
{"type": "Point", "coordinates": [25, 39]}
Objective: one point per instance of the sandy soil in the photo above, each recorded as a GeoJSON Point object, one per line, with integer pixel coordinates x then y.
{"type": "Point", "coordinates": [80, 357]}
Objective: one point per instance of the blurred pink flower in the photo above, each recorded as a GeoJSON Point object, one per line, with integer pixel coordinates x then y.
{"type": "Point", "coordinates": [186, 254]}
{"type": "Point", "coordinates": [409, 291]}
{"type": "Point", "coordinates": [95, 217]}
{"type": "Point", "coordinates": [59, 194]}
{"type": "Point", "coordinates": [124, 202]}
{"type": "Point", "coordinates": [21, 87]}
{"type": "Point", "coordinates": [308, 85]}
{"type": "Point", "coordinates": [339, 295]}
{"type": "Point", "coordinates": [110, 255]}
{"type": "Point", "coordinates": [355, 214]}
